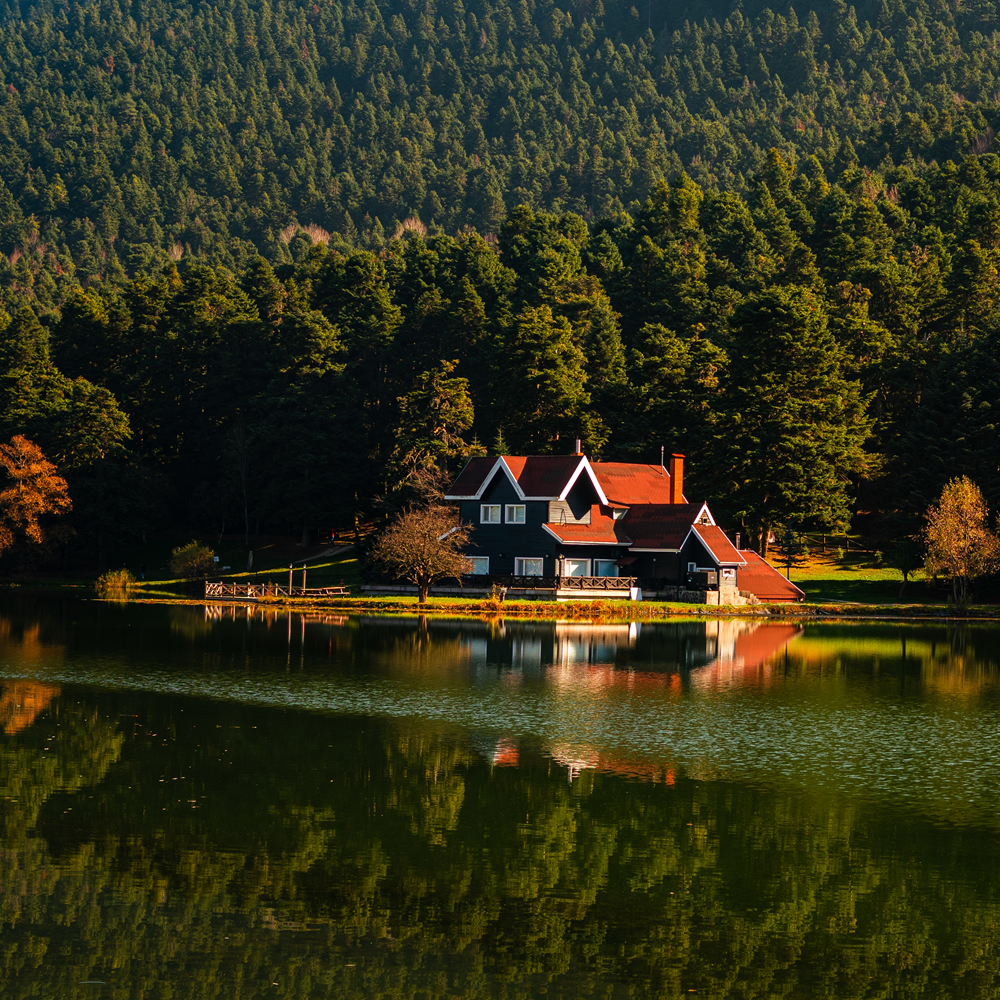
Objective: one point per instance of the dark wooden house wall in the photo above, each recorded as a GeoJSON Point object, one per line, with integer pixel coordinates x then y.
{"type": "Point", "coordinates": [504, 542]}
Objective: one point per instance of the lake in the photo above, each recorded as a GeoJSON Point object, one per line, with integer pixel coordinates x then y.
{"type": "Point", "coordinates": [226, 803]}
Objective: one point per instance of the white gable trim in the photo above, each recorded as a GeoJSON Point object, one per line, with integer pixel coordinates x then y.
{"type": "Point", "coordinates": [584, 465]}
{"type": "Point", "coordinates": [475, 496]}
{"type": "Point", "coordinates": [704, 510]}
{"type": "Point", "coordinates": [499, 464]}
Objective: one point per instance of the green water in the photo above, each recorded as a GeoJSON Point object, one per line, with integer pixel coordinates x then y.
{"type": "Point", "coordinates": [196, 804]}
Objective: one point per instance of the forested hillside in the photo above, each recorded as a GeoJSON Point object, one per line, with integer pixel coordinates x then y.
{"type": "Point", "coordinates": [132, 130]}
{"type": "Point", "coordinates": [261, 262]}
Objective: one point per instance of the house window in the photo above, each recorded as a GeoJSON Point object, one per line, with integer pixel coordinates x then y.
{"type": "Point", "coordinates": [692, 567]}
{"type": "Point", "coordinates": [515, 513]}
{"type": "Point", "coordinates": [479, 565]}
{"type": "Point", "coordinates": [489, 513]}
{"type": "Point", "coordinates": [528, 567]}
{"type": "Point", "coordinates": [577, 567]}
{"type": "Point", "coordinates": [729, 574]}
{"type": "Point", "coordinates": [605, 567]}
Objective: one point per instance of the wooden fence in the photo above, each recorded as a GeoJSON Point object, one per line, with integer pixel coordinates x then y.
{"type": "Point", "coordinates": [255, 591]}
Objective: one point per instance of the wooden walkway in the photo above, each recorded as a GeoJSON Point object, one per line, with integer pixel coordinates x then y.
{"type": "Point", "coordinates": [255, 591]}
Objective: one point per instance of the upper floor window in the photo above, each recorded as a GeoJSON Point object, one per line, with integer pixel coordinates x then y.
{"type": "Point", "coordinates": [489, 513]}
{"type": "Point", "coordinates": [515, 513]}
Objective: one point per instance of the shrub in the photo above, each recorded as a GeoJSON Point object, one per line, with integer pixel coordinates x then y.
{"type": "Point", "coordinates": [193, 559]}
{"type": "Point", "coordinates": [840, 555]}
{"type": "Point", "coordinates": [116, 584]}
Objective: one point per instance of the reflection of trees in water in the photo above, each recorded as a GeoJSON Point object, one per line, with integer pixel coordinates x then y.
{"type": "Point", "coordinates": [399, 851]}
{"type": "Point", "coordinates": [957, 659]}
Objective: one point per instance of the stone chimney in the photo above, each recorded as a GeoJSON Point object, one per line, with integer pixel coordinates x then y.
{"type": "Point", "coordinates": [677, 479]}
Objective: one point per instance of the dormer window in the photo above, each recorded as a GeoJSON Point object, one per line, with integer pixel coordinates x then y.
{"type": "Point", "coordinates": [489, 513]}
{"type": "Point", "coordinates": [619, 513]}
{"type": "Point", "coordinates": [515, 513]}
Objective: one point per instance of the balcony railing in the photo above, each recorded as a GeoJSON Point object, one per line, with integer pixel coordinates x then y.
{"type": "Point", "coordinates": [602, 583]}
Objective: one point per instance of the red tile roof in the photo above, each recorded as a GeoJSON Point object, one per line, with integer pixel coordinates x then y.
{"type": "Point", "coordinates": [628, 483]}
{"type": "Point", "coordinates": [763, 580]}
{"type": "Point", "coordinates": [540, 476]}
{"type": "Point", "coordinates": [543, 475]}
{"type": "Point", "coordinates": [660, 525]}
{"type": "Point", "coordinates": [472, 477]}
{"type": "Point", "coordinates": [602, 530]}
{"type": "Point", "coordinates": [722, 549]}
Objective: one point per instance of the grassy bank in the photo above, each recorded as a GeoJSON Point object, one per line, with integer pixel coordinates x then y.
{"type": "Point", "coordinates": [604, 611]}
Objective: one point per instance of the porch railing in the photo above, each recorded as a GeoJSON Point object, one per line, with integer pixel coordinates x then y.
{"type": "Point", "coordinates": [602, 583]}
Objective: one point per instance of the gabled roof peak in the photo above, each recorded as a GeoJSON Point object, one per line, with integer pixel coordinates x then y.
{"type": "Point", "coordinates": [551, 477]}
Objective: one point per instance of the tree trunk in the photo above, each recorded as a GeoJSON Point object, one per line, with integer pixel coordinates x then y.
{"type": "Point", "coordinates": [423, 589]}
{"type": "Point", "coordinates": [902, 586]}
{"type": "Point", "coordinates": [960, 591]}
{"type": "Point", "coordinates": [762, 545]}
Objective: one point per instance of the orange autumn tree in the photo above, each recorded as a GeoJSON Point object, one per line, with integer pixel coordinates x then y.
{"type": "Point", "coordinates": [32, 491]}
{"type": "Point", "coordinates": [959, 539]}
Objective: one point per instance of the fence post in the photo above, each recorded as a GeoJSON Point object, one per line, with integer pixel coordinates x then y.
{"type": "Point", "coordinates": [289, 579]}
{"type": "Point", "coordinates": [303, 581]}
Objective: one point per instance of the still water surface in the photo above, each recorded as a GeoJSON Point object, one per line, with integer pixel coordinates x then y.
{"type": "Point", "coordinates": [205, 803]}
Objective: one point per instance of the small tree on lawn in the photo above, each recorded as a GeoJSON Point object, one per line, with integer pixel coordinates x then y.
{"type": "Point", "coordinates": [424, 546]}
{"type": "Point", "coordinates": [905, 556]}
{"type": "Point", "coordinates": [30, 491]}
{"type": "Point", "coordinates": [958, 536]}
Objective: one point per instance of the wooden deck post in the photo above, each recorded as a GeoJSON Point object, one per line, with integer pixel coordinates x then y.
{"type": "Point", "coordinates": [303, 581]}
{"type": "Point", "coordinates": [289, 579]}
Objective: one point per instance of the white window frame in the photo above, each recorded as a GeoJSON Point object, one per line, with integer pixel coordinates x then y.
{"type": "Point", "coordinates": [572, 559]}
{"type": "Point", "coordinates": [728, 574]}
{"type": "Point", "coordinates": [479, 559]}
{"type": "Point", "coordinates": [607, 562]}
{"type": "Point", "coordinates": [484, 518]}
{"type": "Point", "coordinates": [692, 567]}
{"type": "Point", "coordinates": [509, 519]}
{"type": "Point", "coordinates": [519, 562]}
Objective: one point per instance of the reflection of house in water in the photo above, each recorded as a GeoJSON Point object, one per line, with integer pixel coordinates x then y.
{"type": "Point", "coordinates": [556, 649]}
{"type": "Point", "coordinates": [744, 653]}
{"type": "Point", "coordinates": [21, 702]}
{"type": "Point", "coordinates": [589, 663]}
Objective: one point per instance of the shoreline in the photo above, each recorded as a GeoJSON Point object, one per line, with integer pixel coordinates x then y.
{"type": "Point", "coordinates": [602, 611]}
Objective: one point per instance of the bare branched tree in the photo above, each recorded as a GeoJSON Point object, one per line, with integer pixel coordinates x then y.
{"type": "Point", "coordinates": [424, 546]}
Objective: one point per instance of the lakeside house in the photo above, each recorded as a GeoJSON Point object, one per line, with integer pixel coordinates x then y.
{"type": "Point", "coordinates": [563, 526]}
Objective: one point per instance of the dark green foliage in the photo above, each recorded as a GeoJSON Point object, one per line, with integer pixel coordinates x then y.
{"type": "Point", "coordinates": [257, 238]}
{"type": "Point", "coordinates": [132, 134]}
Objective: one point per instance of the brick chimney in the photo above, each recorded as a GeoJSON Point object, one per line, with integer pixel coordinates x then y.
{"type": "Point", "coordinates": [677, 479]}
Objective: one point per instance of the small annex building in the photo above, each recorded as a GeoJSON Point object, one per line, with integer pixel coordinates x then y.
{"type": "Point", "coordinates": [564, 523]}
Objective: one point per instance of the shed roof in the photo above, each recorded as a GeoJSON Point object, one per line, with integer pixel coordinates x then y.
{"type": "Point", "coordinates": [765, 582]}
{"type": "Point", "coordinates": [660, 525]}
{"type": "Point", "coordinates": [722, 549]}
{"type": "Point", "coordinates": [602, 530]}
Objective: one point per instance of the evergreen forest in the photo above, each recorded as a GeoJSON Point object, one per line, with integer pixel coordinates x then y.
{"type": "Point", "coordinates": [259, 263]}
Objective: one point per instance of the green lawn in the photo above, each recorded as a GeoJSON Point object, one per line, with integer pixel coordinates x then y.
{"type": "Point", "coordinates": [856, 579]}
